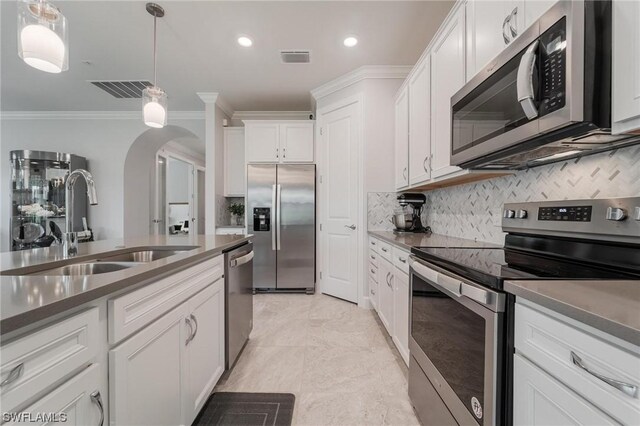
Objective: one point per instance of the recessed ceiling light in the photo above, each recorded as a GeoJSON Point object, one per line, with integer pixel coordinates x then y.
{"type": "Point", "coordinates": [350, 41]}
{"type": "Point", "coordinates": [245, 41]}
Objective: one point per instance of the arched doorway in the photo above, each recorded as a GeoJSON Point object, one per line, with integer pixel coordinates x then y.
{"type": "Point", "coordinates": [140, 177]}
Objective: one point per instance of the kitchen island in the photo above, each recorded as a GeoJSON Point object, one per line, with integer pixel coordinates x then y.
{"type": "Point", "coordinates": [104, 336]}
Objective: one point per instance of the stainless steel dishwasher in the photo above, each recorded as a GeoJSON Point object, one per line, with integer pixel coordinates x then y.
{"type": "Point", "coordinates": [238, 271]}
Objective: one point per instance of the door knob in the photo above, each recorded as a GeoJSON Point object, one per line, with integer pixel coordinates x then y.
{"type": "Point", "coordinates": [352, 227]}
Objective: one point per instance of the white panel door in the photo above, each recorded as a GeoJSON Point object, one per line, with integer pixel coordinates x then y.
{"type": "Point", "coordinates": [402, 139]}
{"type": "Point", "coordinates": [234, 171]}
{"type": "Point", "coordinates": [146, 374]}
{"type": "Point", "coordinates": [77, 402]}
{"type": "Point", "coordinates": [205, 350]}
{"type": "Point", "coordinates": [340, 130]}
{"type": "Point", "coordinates": [447, 77]}
{"type": "Point", "coordinates": [296, 142]}
{"type": "Point", "coordinates": [420, 123]}
{"type": "Point", "coordinates": [401, 313]}
{"type": "Point", "coordinates": [540, 400]}
{"type": "Point", "coordinates": [626, 66]}
{"type": "Point", "coordinates": [262, 142]}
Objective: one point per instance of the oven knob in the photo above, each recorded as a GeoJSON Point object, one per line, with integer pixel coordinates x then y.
{"type": "Point", "coordinates": [616, 213]}
{"type": "Point", "coordinates": [509, 214]}
{"type": "Point", "coordinates": [522, 214]}
{"type": "Point", "coordinates": [636, 214]}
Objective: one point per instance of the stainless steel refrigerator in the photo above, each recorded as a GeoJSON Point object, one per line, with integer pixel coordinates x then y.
{"type": "Point", "coordinates": [281, 207]}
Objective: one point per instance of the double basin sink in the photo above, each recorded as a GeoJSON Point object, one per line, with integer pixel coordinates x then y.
{"type": "Point", "coordinates": [108, 262]}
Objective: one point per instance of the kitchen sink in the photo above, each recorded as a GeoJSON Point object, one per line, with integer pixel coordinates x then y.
{"type": "Point", "coordinates": [141, 256]}
{"type": "Point", "coordinates": [89, 268]}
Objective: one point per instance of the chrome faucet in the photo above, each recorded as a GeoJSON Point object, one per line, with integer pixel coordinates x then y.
{"type": "Point", "coordinates": [70, 238]}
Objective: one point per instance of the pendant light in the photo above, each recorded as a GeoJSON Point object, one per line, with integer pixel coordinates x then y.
{"type": "Point", "coordinates": [154, 99]}
{"type": "Point", "coordinates": [43, 36]}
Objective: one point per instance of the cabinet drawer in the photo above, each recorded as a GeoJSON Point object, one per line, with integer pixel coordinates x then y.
{"type": "Point", "coordinates": [373, 258]}
{"type": "Point", "coordinates": [44, 358]}
{"type": "Point", "coordinates": [385, 251]}
{"type": "Point", "coordinates": [374, 243]}
{"type": "Point", "coordinates": [373, 272]}
{"type": "Point", "coordinates": [553, 342]}
{"type": "Point", "coordinates": [401, 259]}
{"type": "Point", "coordinates": [132, 311]}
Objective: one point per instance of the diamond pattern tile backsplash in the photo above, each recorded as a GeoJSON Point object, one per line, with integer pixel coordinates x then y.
{"type": "Point", "coordinates": [474, 210]}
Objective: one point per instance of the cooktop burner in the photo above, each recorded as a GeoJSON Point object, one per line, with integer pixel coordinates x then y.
{"type": "Point", "coordinates": [492, 267]}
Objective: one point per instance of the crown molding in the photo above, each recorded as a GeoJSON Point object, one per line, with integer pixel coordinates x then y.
{"type": "Point", "coordinates": [362, 73]}
{"type": "Point", "coordinates": [94, 115]}
{"type": "Point", "coordinates": [271, 115]}
{"type": "Point", "coordinates": [216, 98]}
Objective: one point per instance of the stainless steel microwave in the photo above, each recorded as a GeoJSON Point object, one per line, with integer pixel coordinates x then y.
{"type": "Point", "coordinates": [546, 97]}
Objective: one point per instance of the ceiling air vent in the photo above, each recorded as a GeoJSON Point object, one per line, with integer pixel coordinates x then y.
{"type": "Point", "coordinates": [123, 89]}
{"type": "Point", "coordinates": [295, 56]}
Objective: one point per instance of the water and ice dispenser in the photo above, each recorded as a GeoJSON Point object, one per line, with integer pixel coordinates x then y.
{"type": "Point", "coordinates": [261, 219]}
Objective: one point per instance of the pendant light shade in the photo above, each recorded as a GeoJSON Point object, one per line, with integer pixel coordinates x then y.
{"type": "Point", "coordinates": [43, 36]}
{"type": "Point", "coordinates": [154, 107]}
{"type": "Point", "coordinates": [154, 99]}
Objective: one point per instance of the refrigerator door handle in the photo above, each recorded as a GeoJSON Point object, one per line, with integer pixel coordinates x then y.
{"type": "Point", "coordinates": [273, 207]}
{"type": "Point", "coordinates": [278, 198]}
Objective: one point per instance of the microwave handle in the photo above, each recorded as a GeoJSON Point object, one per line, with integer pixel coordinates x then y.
{"type": "Point", "coordinates": [526, 95]}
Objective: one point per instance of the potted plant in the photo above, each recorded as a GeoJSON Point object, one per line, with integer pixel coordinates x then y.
{"type": "Point", "coordinates": [237, 212]}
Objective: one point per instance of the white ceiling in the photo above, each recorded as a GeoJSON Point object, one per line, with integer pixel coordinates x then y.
{"type": "Point", "coordinates": [197, 50]}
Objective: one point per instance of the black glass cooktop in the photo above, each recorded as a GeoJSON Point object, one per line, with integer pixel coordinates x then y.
{"type": "Point", "coordinates": [491, 267]}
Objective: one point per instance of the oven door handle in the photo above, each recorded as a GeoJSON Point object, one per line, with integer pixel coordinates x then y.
{"type": "Point", "coordinates": [445, 282]}
{"type": "Point", "coordinates": [526, 95]}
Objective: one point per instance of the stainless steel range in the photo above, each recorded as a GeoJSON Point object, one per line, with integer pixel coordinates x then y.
{"type": "Point", "coordinates": [461, 339]}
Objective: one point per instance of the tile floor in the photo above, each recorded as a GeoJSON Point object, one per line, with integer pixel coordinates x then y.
{"type": "Point", "coordinates": [335, 357]}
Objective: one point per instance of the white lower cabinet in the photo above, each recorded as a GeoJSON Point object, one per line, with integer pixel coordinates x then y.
{"type": "Point", "coordinates": [540, 400]}
{"type": "Point", "coordinates": [163, 374]}
{"type": "Point", "coordinates": [77, 402]}
{"type": "Point", "coordinates": [385, 294]}
{"type": "Point", "coordinates": [401, 313]}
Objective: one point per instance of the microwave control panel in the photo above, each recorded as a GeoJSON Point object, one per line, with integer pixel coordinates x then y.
{"type": "Point", "coordinates": [553, 58]}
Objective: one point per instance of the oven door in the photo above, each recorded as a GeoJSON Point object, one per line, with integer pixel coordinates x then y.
{"type": "Point", "coordinates": [533, 87]}
{"type": "Point", "coordinates": [456, 332]}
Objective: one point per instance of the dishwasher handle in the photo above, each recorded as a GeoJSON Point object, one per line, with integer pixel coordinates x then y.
{"type": "Point", "coordinates": [241, 260]}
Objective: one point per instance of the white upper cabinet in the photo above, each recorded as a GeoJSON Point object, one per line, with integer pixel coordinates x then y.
{"type": "Point", "coordinates": [447, 77]}
{"type": "Point", "coordinates": [420, 122]}
{"type": "Point", "coordinates": [279, 142]}
{"type": "Point", "coordinates": [402, 139]}
{"type": "Point", "coordinates": [534, 9]}
{"type": "Point", "coordinates": [234, 175]}
{"type": "Point", "coordinates": [296, 142]}
{"type": "Point", "coordinates": [626, 67]}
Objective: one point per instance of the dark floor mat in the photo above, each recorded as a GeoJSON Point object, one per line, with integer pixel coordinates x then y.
{"type": "Point", "coordinates": [247, 409]}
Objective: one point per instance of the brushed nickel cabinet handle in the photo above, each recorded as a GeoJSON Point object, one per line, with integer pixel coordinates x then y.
{"type": "Point", "coordinates": [626, 388]}
{"type": "Point", "coordinates": [505, 36]}
{"type": "Point", "coordinates": [96, 398]}
{"type": "Point", "coordinates": [424, 164]}
{"type": "Point", "coordinates": [402, 260]}
{"type": "Point", "coordinates": [373, 271]}
{"type": "Point", "coordinates": [14, 374]}
{"type": "Point", "coordinates": [514, 30]}
{"type": "Point", "coordinates": [195, 321]}
{"type": "Point", "coordinates": [190, 337]}
{"type": "Point", "coordinates": [384, 249]}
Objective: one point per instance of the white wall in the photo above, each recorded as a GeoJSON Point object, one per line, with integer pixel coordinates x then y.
{"type": "Point", "coordinates": [104, 142]}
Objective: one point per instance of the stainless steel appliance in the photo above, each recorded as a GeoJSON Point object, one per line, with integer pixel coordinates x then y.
{"type": "Point", "coordinates": [546, 97]}
{"type": "Point", "coordinates": [461, 336]}
{"type": "Point", "coordinates": [281, 207]}
{"type": "Point", "coordinates": [238, 307]}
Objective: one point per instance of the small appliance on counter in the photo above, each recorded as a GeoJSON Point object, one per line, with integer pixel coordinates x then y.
{"type": "Point", "coordinates": [405, 221]}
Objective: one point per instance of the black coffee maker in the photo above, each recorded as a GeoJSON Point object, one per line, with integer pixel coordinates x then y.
{"type": "Point", "coordinates": [417, 202]}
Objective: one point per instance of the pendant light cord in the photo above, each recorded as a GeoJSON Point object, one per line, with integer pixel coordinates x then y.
{"type": "Point", "coordinates": [155, 60]}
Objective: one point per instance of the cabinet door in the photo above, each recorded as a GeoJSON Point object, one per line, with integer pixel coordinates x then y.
{"type": "Point", "coordinates": [540, 400]}
{"type": "Point", "coordinates": [534, 9]}
{"type": "Point", "coordinates": [373, 292]}
{"type": "Point", "coordinates": [402, 139]}
{"type": "Point", "coordinates": [420, 123]}
{"type": "Point", "coordinates": [296, 142]}
{"type": "Point", "coordinates": [234, 171]}
{"type": "Point", "coordinates": [626, 66]}
{"type": "Point", "coordinates": [262, 142]}
{"type": "Point", "coordinates": [447, 77]}
{"type": "Point", "coordinates": [205, 350]}
{"type": "Point", "coordinates": [385, 294]}
{"type": "Point", "coordinates": [401, 313]}
{"type": "Point", "coordinates": [71, 403]}
{"type": "Point", "coordinates": [146, 374]}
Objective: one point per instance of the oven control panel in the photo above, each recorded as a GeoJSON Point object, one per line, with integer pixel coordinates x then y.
{"type": "Point", "coordinates": [566, 214]}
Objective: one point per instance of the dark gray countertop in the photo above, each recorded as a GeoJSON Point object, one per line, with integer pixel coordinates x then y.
{"type": "Point", "coordinates": [26, 299]}
{"type": "Point", "coordinates": [610, 306]}
{"type": "Point", "coordinates": [408, 240]}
